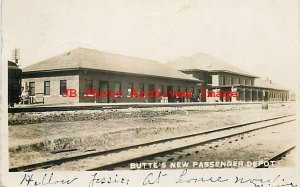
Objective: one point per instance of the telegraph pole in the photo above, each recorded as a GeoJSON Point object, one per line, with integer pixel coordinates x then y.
{"type": "Point", "coordinates": [16, 55]}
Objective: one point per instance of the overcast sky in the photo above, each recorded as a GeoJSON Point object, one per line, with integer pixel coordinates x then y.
{"type": "Point", "coordinates": [260, 36]}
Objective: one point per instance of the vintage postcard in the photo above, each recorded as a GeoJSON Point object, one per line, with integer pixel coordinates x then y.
{"type": "Point", "coordinates": [149, 93]}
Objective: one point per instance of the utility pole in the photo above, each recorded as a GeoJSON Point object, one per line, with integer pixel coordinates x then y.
{"type": "Point", "coordinates": [16, 55]}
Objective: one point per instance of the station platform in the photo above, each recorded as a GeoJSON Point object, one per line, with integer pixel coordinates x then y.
{"type": "Point", "coordinates": [105, 106]}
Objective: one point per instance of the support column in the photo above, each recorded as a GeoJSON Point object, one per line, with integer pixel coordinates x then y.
{"type": "Point", "coordinates": [261, 95]}
{"type": "Point", "coordinates": [243, 98]}
{"type": "Point", "coordinates": [256, 95]}
{"type": "Point", "coordinates": [239, 94]}
{"type": "Point", "coordinates": [234, 99]}
{"type": "Point", "coordinates": [207, 99]}
{"type": "Point", "coordinates": [250, 95]}
{"type": "Point", "coordinates": [218, 98]}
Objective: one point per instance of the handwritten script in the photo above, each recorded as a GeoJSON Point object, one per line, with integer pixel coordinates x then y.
{"type": "Point", "coordinates": [150, 178]}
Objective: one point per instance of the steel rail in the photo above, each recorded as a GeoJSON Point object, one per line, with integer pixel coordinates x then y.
{"type": "Point", "coordinates": [170, 151]}
{"type": "Point", "coordinates": [277, 157]}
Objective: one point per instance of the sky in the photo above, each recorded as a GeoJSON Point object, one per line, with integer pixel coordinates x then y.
{"type": "Point", "coordinates": [259, 36]}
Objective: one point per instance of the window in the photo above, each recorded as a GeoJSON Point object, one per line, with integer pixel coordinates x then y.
{"type": "Point", "coordinates": [117, 89]}
{"type": "Point", "coordinates": [31, 90]}
{"type": "Point", "coordinates": [177, 89]}
{"type": "Point", "coordinates": [209, 80]}
{"type": "Point", "coordinates": [192, 90]}
{"type": "Point", "coordinates": [141, 87]}
{"type": "Point", "coordinates": [161, 89]}
{"type": "Point", "coordinates": [46, 87]}
{"type": "Point", "coordinates": [141, 90]}
{"type": "Point", "coordinates": [245, 82]}
{"type": "Point", "coordinates": [62, 87]}
{"type": "Point", "coordinates": [223, 80]}
{"type": "Point", "coordinates": [251, 82]}
{"type": "Point", "coordinates": [117, 86]}
{"type": "Point", "coordinates": [129, 88]}
{"type": "Point", "coordinates": [231, 81]}
{"type": "Point", "coordinates": [89, 84]}
{"type": "Point", "coordinates": [239, 81]}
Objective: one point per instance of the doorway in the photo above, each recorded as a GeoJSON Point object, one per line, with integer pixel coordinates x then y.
{"type": "Point", "coordinates": [170, 94]}
{"type": "Point", "coordinates": [151, 95]}
{"type": "Point", "coordinates": [103, 96]}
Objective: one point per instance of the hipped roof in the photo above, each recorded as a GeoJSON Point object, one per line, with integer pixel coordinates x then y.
{"type": "Point", "coordinates": [268, 84]}
{"type": "Point", "coordinates": [82, 58]}
{"type": "Point", "coordinates": [205, 62]}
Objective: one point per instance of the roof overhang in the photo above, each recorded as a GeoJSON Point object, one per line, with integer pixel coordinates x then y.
{"type": "Point", "coordinates": [106, 71]}
{"type": "Point", "coordinates": [219, 71]}
{"type": "Point", "coordinates": [231, 72]}
{"type": "Point", "coordinates": [247, 86]}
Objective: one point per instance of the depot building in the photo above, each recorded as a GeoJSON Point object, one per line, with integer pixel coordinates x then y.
{"type": "Point", "coordinates": [84, 69]}
{"type": "Point", "coordinates": [87, 69]}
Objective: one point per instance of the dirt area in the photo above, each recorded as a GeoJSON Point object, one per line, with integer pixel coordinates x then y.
{"type": "Point", "coordinates": [32, 136]}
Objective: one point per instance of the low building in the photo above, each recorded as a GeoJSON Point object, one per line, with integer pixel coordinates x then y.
{"type": "Point", "coordinates": [222, 77]}
{"type": "Point", "coordinates": [86, 69]}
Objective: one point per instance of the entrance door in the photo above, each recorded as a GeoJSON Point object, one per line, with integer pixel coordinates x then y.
{"type": "Point", "coordinates": [103, 96]}
{"type": "Point", "coordinates": [151, 89]}
{"type": "Point", "coordinates": [265, 95]}
{"type": "Point", "coordinates": [170, 94]}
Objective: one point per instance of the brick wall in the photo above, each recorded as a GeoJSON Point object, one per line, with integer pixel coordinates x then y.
{"type": "Point", "coordinates": [54, 97]}
{"type": "Point", "coordinates": [218, 79]}
{"type": "Point", "coordinates": [124, 79]}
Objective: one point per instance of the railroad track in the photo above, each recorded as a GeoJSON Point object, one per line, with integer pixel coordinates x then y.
{"type": "Point", "coordinates": [276, 157]}
{"type": "Point", "coordinates": [48, 164]}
